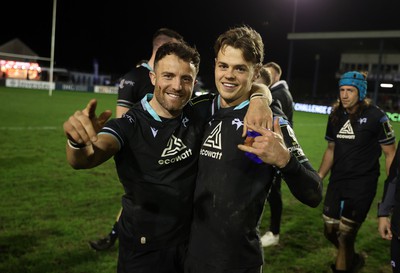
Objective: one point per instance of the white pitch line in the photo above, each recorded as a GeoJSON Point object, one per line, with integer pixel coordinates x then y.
{"type": "Point", "coordinates": [21, 128]}
{"type": "Point", "coordinates": [309, 124]}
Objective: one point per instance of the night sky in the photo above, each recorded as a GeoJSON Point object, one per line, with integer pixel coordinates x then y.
{"type": "Point", "coordinates": [118, 33]}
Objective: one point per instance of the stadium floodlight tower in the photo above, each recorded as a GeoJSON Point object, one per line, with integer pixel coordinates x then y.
{"type": "Point", "coordinates": [53, 38]}
{"type": "Point", "coordinates": [289, 68]}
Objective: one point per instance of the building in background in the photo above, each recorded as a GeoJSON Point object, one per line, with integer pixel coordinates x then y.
{"type": "Point", "coordinates": [330, 54]}
{"type": "Point", "coordinates": [18, 61]}
{"type": "Point", "coordinates": [383, 74]}
{"type": "Point", "coordinates": [20, 70]}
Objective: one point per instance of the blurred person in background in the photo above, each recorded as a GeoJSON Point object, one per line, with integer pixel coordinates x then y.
{"type": "Point", "coordinates": [357, 133]}
{"type": "Point", "coordinates": [264, 77]}
{"type": "Point", "coordinates": [281, 94]}
{"type": "Point", "coordinates": [389, 212]}
{"type": "Point", "coordinates": [280, 90]}
{"type": "Point", "coordinates": [135, 84]}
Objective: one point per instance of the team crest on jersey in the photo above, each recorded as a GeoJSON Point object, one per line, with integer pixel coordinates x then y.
{"type": "Point", "coordinates": [237, 122]}
{"type": "Point", "coordinates": [213, 141]}
{"type": "Point", "coordinates": [173, 147]}
{"type": "Point", "coordinates": [362, 120]}
{"type": "Point", "coordinates": [346, 132]}
{"type": "Point", "coordinates": [175, 151]}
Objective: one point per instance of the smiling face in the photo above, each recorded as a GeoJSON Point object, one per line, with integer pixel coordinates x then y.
{"type": "Point", "coordinates": [233, 76]}
{"type": "Point", "coordinates": [349, 97]}
{"type": "Point", "coordinates": [173, 80]}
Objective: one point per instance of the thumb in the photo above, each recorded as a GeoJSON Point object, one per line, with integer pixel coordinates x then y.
{"type": "Point", "coordinates": [277, 127]}
{"type": "Point", "coordinates": [245, 127]}
{"type": "Point", "coordinates": [104, 117]}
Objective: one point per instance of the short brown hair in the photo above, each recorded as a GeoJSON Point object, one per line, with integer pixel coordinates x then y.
{"type": "Point", "coordinates": [181, 50]}
{"type": "Point", "coordinates": [275, 66]}
{"type": "Point", "coordinates": [244, 38]}
{"type": "Point", "coordinates": [265, 75]}
{"type": "Point", "coordinates": [167, 32]}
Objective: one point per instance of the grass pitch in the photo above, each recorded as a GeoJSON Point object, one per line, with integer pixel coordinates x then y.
{"type": "Point", "coordinates": [48, 211]}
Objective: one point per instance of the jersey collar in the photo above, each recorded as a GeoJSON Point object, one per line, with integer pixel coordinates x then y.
{"type": "Point", "coordinates": [237, 107]}
{"type": "Point", "coordinates": [146, 105]}
{"type": "Point", "coordinates": [146, 65]}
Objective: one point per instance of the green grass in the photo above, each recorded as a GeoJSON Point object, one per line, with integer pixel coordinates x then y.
{"type": "Point", "coordinates": [48, 211]}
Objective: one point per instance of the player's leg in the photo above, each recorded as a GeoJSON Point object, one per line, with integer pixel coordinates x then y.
{"type": "Point", "coordinates": [331, 229]}
{"type": "Point", "coordinates": [331, 214]}
{"type": "Point", "coordinates": [164, 260]}
{"type": "Point", "coordinates": [346, 256]}
{"type": "Point", "coordinates": [274, 199]}
{"type": "Point", "coordinates": [355, 208]}
{"type": "Point", "coordinates": [108, 241]}
{"type": "Point", "coordinates": [275, 202]}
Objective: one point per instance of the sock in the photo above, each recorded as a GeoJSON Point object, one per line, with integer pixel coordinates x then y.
{"type": "Point", "coordinates": [114, 230]}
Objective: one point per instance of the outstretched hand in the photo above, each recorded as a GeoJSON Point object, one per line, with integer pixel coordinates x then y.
{"type": "Point", "coordinates": [82, 127]}
{"type": "Point", "coordinates": [269, 147]}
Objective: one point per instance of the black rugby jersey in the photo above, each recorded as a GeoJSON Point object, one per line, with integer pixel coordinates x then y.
{"type": "Point", "coordinates": [280, 92]}
{"type": "Point", "coordinates": [357, 145]}
{"type": "Point", "coordinates": [134, 85]}
{"type": "Point", "coordinates": [157, 166]}
{"type": "Point", "coordinates": [390, 205]}
{"type": "Point", "coordinates": [231, 190]}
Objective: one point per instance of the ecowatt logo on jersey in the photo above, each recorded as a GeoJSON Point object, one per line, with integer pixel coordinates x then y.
{"type": "Point", "coordinates": [213, 141]}
{"type": "Point", "coordinates": [174, 148]}
{"type": "Point", "coordinates": [346, 132]}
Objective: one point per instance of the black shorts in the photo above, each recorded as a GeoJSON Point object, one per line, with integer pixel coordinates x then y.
{"type": "Point", "coordinates": [192, 265]}
{"type": "Point", "coordinates": [349, 201]}
{"type": "Point", "coordinates": [168, 260]}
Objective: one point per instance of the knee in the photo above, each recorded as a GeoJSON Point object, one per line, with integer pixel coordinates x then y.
{"type": "Point", "coordinates": [331, 227]}
{"type": "Point", "coordinates": [347, 230]}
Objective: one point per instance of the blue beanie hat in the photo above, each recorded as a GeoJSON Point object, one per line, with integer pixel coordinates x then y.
{"type": "Point", "coordinates": [356, 79]}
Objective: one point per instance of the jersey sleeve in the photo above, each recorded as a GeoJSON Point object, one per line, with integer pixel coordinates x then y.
{"type": "Point", "coordinates": [202, 106]}
{"type": "Point", "coordinates": [119, 128]}
{"type": "Point", "coordinates": [126, 90]}
{"type": "Point", "coordinates": [386, 132]}
{"type": "Point", "coordinates": [302, 179]}
{"type": "Point", "coordinates": [133, 86]}
{"type": "Point", "coordinates": [391, 182]}
{"type": "Point", "coordinates": [329, 134]}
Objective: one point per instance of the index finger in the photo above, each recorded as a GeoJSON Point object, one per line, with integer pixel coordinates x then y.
{"type": "Point", "coordinates": [88, 120]}
{"type": "Point", "coordinates": [90, 109]}
{"type": "Point", "coordinates": [245, 127]}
